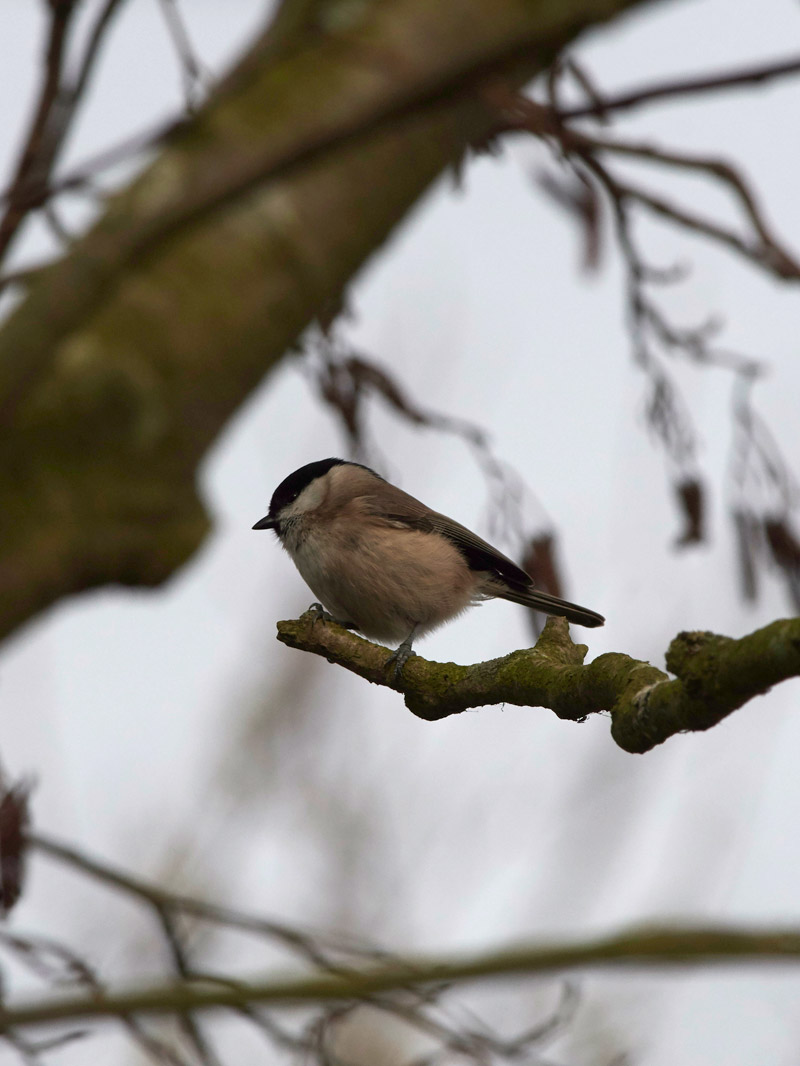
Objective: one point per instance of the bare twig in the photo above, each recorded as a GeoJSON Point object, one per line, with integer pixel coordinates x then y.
{"type": "Point", "coordinates": [346, 378]}
{"type": "Point", "coordinates": [669, 90]}
{"type": "Point", "coordinates": [578, 196]}
{"type": "Point", "coordinates": [775, 262]}
{"type": "Point", "coordinates": [272, 1030]}
{"type": "Point", "coordinates": [94, 44]}
{"type": "Point", "coordinates": [420, 1008]}
{"type": "Point", "coordinates": [649, 326]}
{"type": "Point", "coordinates": [32, 168]}
{"type": "Point", "coordinates": [667, 413]}
{"type": "Point", "coordinates": [320, 951]}
{"type": "Point", "coordinates": [82, 176]}
{"type": "Point", "coordinates": [194, 77]}
{"type": "Point", "coordinates": [61, 966]}
{"type": "Point", "coordinates": [765, 494]}
{"type": "Point", "coordinates": [55, 112]}
{"type": "Point", "coordinates": [770, 253]}
{"type": "Point", "coordinates": [586, 82]}
{"type": "Point", "coordinates": [517, 112]}
{"type": "Point", "coordinates": [756, 456]}
{"type": "Point", "coordinates": [180, 961]}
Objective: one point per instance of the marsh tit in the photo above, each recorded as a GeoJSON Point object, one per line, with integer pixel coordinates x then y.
{"type": "Point", "coordinates": [386, 565]}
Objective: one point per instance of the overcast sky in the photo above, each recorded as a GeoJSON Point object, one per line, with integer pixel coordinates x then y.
{"type": "Point", "coordinates": [130, 708]}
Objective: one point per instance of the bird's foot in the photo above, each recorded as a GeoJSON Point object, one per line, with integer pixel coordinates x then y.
{"type": "Point", "coordinates": [398, 659]}
{"type": "Point", "coordinates": [321, 615]}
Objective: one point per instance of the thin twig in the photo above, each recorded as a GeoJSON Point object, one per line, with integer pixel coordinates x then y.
{"type": "Point", "coordinates": [345, 377]}
{"type": "Point", "coordinates": [191, 70]}
{"type": "Point", "coordinates": [54, 962]}
{"type": "Point", "coordinates": [698, 224]}
{"type": "Point", "coordinates": [191, 1027]}
{"type": "Point", "coordinates": [669, 90]}
{"type": "Point", "coordinates": [94, 44]}
{"type": "Point", "coordinates": [307, 945]}
{"type": "Point", "coordinates": [771, 254]}
{"type": "Point", "coordinates": [55, 113]}
{"type": "Point", "coordinates": [517, 112]}
{"type": "Point", "coordinates": [667, 415]}
{"type": "Point", "coordinates": [32, 168]}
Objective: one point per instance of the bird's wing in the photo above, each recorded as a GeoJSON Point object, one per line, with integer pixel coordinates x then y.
{"type": "Point", "coordinates": [401, 509]}
{"type": "Point", "coordinates": [510, 582]}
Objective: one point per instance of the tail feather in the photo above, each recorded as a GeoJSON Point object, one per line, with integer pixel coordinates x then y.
{"type": "Point", "coordinates": [542, 601]}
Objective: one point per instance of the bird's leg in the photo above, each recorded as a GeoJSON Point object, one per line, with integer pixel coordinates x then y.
{"type": "Point", "coordinates": [402, 655]}
{"type": "Point", "coordinates": [321, 615]}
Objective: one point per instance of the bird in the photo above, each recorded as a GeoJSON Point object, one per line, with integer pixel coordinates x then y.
{"type": "Point", "coordinates": [383, 563]}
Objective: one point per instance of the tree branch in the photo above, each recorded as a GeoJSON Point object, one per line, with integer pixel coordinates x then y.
{"type": "Point", "coordinates": [128, 356]}
{"type": "Point", "coordinates": [669, 90]}
{"type": "Point", "coordinates": [31, 168]}
{"type": "Point", "coordinates": [715, 675]}
{"type": "Point", "coordinates": [770, 254]}
{"type": "Point", "coordinates": [55, 112]}
{"type": "Point", "coordinates": [667, 947]}
{"type": "Point", "coordinates": [518, 112]}
{"type": "Point", "coordinates": [329, 953]}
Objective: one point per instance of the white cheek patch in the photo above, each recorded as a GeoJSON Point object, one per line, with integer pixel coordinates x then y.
{"type": "Point", "coordinates": [308, 500]}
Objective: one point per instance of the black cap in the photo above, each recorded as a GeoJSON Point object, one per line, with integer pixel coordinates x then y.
{"type": "Point", "coordinates": [291, 487]}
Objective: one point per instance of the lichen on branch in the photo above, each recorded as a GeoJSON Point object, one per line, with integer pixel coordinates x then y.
{"type": "Point", "coordinates": [714, 675]}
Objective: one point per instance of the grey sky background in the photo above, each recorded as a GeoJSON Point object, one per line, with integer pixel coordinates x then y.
{"type": "Point", "coordinates": [130, 708]}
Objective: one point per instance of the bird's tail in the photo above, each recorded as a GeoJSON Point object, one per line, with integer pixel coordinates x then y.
{"type": "Point", "coordinates": [542, 601]}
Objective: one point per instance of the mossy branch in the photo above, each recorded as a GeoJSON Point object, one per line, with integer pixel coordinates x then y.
{"type": "Point", "coordinates": [672, 947]}
{"type": "Point", "coordinates": [714, 675]}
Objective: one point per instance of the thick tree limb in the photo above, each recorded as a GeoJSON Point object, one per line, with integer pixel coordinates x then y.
{"type": "Point", "coordinates": [127, 357]}
{"type": "Point", "coordinates": [668, 947]}
{"type": "Point", "coordinates": [715, 675]}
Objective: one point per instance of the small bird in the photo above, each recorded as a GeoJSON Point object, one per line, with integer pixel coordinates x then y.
{"type": "Point", "coordinates": [386, 565]}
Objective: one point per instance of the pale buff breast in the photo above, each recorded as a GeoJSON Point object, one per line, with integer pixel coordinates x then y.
{"type": "Point", "coordinates": [387, 579]}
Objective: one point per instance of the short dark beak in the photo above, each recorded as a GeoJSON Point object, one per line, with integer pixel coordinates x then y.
{"type": "Point", "coordinates": [266, 523]}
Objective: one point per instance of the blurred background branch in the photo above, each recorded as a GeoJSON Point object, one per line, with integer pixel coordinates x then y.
{"type": "Point", "coordinates": [341, 972]}
{"type": "Point", "coordinates": [318, 1036]}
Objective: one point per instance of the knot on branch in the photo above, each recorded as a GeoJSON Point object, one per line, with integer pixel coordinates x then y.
{"type": "Point", "coordinates": [682, 654]}
{"type": "Point", "coordinates": [556, 645]}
